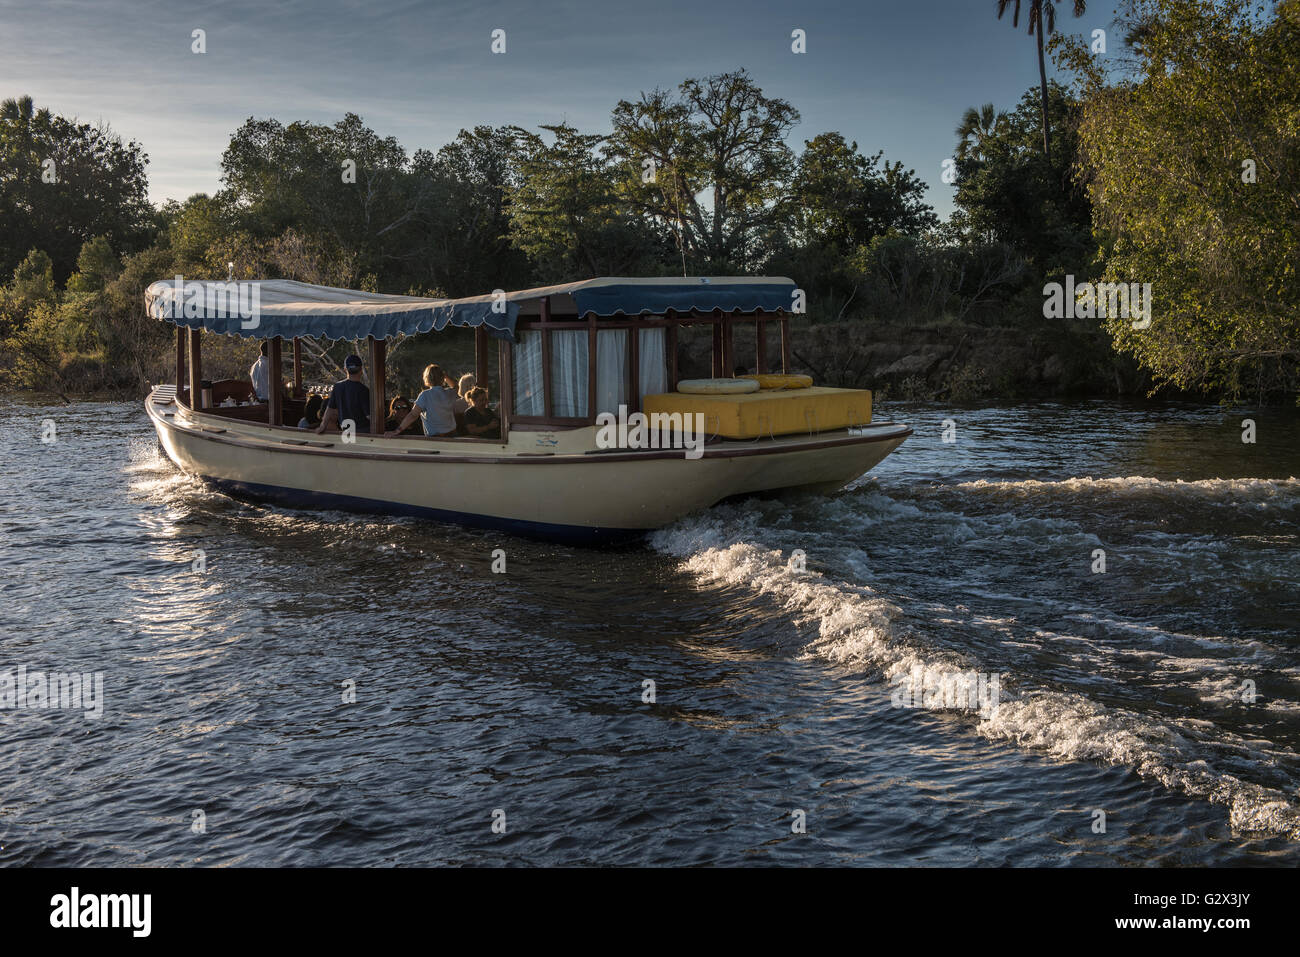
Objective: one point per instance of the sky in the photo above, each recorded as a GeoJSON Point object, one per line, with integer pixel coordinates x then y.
{"type": "Point", "coordinates": [894, 76]}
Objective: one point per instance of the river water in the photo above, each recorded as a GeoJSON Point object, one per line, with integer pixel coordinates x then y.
{"type": "Point", "coordinates": [1141, 711]}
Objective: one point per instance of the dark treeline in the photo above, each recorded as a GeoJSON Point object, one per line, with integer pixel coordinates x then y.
{"type": "Point", "coordinates": [1172, 161]}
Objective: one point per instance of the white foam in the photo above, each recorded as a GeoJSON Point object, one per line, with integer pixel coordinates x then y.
{"type": "Point", "coordinates": [857, 628]}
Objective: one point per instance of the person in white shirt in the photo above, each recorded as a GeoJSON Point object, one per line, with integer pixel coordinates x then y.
{"type": "Point", "coordinates": [436, 403]}
{"type": "Point", "coordinates": [261, 376]}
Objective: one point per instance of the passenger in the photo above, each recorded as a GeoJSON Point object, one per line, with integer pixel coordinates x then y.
{"type": "Point", "coordinates": [467, 382]}
{"type": "Point", "coordinates": [312, 412]}
{"type": "Point", "coordinates": [397, 410]}
{"type": "Point", "coordinates": [349, 399]}
{"type": "Point", "coordinates": [436, 403]}
{"type": "Point", "coordinates": [260, 374]}
{"type": "Point", "coordinates": [481, 421]}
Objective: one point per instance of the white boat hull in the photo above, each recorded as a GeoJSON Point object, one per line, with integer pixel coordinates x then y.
{"type": "Point", "coordinates": [558, 493]}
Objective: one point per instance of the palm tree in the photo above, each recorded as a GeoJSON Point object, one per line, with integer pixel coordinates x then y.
{"type": "Point", "coordinates": [976, 128]}
{"type": "Point", "coordinates": [1036, 12]}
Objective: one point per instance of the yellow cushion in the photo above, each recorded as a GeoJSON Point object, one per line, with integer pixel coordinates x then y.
{"type": "Point", "coordinates": [786, 412]}
{"type": "Point", "coordinates": [717, 386]}
{"type": "Point", "coordinates": [779, 381]}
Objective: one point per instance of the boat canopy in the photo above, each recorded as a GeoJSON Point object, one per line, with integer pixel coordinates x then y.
{"type": "Point", "coordinates": [263, 309]}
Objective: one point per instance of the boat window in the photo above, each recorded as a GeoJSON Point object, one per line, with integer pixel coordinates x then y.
{"type": "Point", "coordinates": [652, 361]}
{"type": "Point", "coordinates": [611, 369]}
{"type": "Point", "coordinates": [568, 373]}
{"type": "Point", "coordinates": [527, 359]}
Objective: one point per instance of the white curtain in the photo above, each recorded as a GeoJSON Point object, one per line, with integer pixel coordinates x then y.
{"type": "Point", "coordinates": [652, 364]}
{"type": "Point", "coordinates": [611, 369]}
{"type": "Point", "coordinates": [569, 373]}
{"type": "Point", "coordinates": [527, 361]}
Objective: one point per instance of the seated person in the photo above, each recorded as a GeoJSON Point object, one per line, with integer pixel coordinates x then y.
{"type": "Point", "coordinates": [480, 421]}
{"type": "Point", "coordinates": [349, 399]}
{"type": "Point", "coordinates": [397, 410]}
{"type": "Point", "coordinates": [436, 403]}
{"type": "Point", "coordinates": [312, 412]}
{"type": "Point", "coordinates": [467, 382]}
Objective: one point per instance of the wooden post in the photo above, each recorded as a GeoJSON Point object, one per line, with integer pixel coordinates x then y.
{"type": "Point", "coordinates": [378, 372]}
{"type": "Point", "coordinates": [506, 400]}
{"type": "Point", "coordinates": [760, 346]}
{"type": "Point", "coordinates": [785, 344]}
{"type": "Point", "coordinates": [591, 367]}
{"type": "Point", "coordinates": [274, 400]}
{"type": "Point", "coordinates": [717, 349]}
{"type": "Point", "coordinates": [634, 370]}
{"type": "Point", "coordinates": [180, 361]}
{"type": "Point", "coordinates": [672, 357]}
{"type": "Point", "coordinates": [728, 345]}
{"type": "Point", "coordinates": [481, 355]}
{"type": "Point", "coordinates": [196, 370]}
{"type": "Point", "coordinates": [547, 394]}
{"type": "Point", "coordinates": [297, 366]}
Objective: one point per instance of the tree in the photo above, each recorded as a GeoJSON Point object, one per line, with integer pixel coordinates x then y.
{"type": "Point", "coordinates": [566, 212]}
{"type": "Point", "coordinates": [977, 126]}
{"type": "Point", "coordinates": [1038, 9]}
{"type": "Point", "coordinates": [1010, 194]}
{"type": "Point", "coordinates": [1194, 173]}
{"type": "Point", "coordinates": [720, 137]}
{"type": "Point", "coordinates": [63, 183]}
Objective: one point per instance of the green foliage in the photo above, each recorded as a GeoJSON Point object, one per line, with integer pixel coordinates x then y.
{"type": "Point", "coordinates": [62, 183]}
{"type": "Point", "coordinates": [1168, 154]}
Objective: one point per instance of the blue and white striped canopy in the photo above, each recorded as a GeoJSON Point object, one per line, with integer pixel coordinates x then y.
{"type": "Point", "coordinates": [262, 309]}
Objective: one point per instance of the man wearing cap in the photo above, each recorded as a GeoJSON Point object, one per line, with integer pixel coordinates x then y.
{"type": "Point", "coordinates": [350, 399]}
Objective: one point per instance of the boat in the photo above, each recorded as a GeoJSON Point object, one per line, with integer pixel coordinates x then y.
{"type": "Point", "coordinates": [597, 444]}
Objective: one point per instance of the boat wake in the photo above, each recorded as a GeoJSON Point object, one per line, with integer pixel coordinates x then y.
{"type": "Point", "coordinates": [1075, 681]}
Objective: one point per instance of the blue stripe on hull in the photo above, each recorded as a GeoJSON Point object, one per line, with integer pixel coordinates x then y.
{"type": "Point", "coordinates": [301, 498]}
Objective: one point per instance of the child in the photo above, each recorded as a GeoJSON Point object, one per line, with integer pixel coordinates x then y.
{"type": "Point", "coordinates": [480, 421]}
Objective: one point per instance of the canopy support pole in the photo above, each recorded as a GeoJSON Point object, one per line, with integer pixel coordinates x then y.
{"type": "Point", "coordinates": [717, 349]}
{"type": "Point", "coordinates": [180, 362]}
{"type": "Point", "coordinates": [297, 366]}
{"type": "Point", "coordinates": [672, 357]}
{"type": "Point", "coordinates": [274, 411]}
{"type": "Point", "coordinates": [728, 345]}
{"type": "Point", "coordinates": [378, 372]}
{"type": "Point", "coordinates": [785, 345]}
{"type": "Point", "coordinates": [196, 370]}
{"type": "Point", "coordinates": [481, 356]}
{"type": "Point", "coordinates": [760, 346]}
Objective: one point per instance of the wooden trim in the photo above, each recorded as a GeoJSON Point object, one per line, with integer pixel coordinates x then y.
{"type": "Point", "coordinates": [275, 399]}
{"type": "Point", "coordinates": [723, 450]}
{"type": "Point", "coordinates": [378, 375]}
{"type": "Point", "coordinates": [552, 422]}
{"type": "Point", "coordinates": [297, 366]}
{"type": "Point", "coordinates": [196, 369]}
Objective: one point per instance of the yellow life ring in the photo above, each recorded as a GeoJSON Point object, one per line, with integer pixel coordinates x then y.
{"type": "Point", "coordinates": [778, 381]}
{"type": "Point", "coordinates": [717, 386]}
